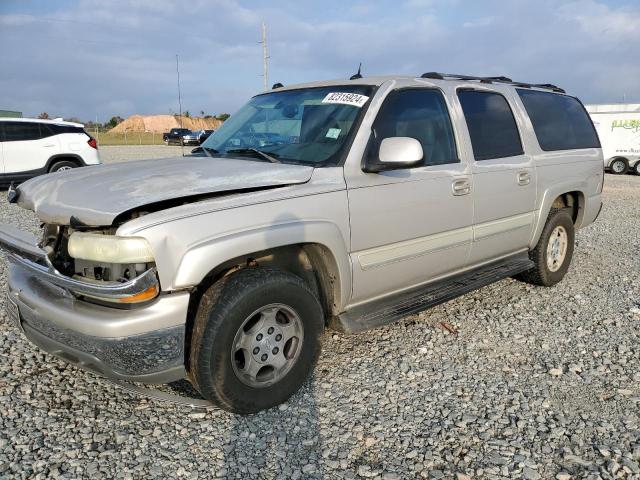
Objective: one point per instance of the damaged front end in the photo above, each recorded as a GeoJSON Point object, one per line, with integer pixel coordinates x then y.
{"type": "Point", "coordinates": [96, 266]}
{"type": "Point", "coordinates": [95, 302]}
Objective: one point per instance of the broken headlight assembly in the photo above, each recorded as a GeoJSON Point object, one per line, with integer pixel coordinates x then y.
{"type": "Point", "coordinates": [109, 258]}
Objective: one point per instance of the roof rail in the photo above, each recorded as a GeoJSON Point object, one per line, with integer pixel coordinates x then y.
{"type": "Point", "coordinates": [498, 79]}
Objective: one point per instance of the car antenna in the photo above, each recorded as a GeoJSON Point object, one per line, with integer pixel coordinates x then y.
{"type": "Point", "coordinates": [356, 76]}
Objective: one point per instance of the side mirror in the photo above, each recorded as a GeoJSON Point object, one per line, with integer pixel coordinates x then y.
{"type": "Point", "coordinates": [396, 153]}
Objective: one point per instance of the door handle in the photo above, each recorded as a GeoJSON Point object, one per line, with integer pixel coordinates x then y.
{"type": "Point", "coordinates": [49, 145]}
{"type": "Point", "coordinates": [461, 187]}
{"type": "Point", "coordinates": [524, 178]}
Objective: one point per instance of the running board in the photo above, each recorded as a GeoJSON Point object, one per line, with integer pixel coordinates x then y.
{"type": "Point", "coordinates": [390, 309]}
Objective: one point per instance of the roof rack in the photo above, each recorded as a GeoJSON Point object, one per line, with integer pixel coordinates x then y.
{"type": "Point", "coordinates": [499, 79]}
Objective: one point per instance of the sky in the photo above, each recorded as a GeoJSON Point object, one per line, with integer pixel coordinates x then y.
{"type": "Point", "coordinates": [95, 59]}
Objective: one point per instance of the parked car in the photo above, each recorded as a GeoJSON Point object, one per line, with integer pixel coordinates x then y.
{"type": "Point", "coordinates": [175, 136]}
{"type": "Point", "coordinates": [204, 135]}
{"type": "Point", "coordinates": [391, 195]}
{"type": "Point", "coordinates": [191, 138]}
{"type": "Point", "coordinates": [618, 127]}
{"type": "Point", "coordinates": [30, 147]}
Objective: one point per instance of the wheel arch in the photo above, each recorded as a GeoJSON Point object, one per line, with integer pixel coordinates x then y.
{"type": "Point", "coordinates": [320, 243]}
{"type": "Point", "coordinates": [560, 197]}
{"type": "Point", "coordinates": [314, 263]}
{"type": "Point", "coordinates": [59, 157]}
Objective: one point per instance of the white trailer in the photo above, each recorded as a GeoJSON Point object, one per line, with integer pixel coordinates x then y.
{"type": "Point", "coordinates": [618, 127]}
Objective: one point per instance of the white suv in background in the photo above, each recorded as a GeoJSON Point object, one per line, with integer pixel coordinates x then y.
{"type": "Point", "coordinates": [31, 147]}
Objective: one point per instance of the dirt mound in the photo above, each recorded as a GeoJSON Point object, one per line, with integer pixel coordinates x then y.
{"type": "Point", "coordinates": [163, 123]}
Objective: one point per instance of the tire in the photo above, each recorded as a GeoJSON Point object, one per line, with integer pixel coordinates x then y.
{"type": "Point", "coordinates": [238, 309]}
{"type": "Point", "coordinates": [62, 165]}
{"type": "Point", "coordinates": [619, 166]}
{"type": "Point", "coordinates": [636, 168]}
{"type": "Point", "coordinates": [544, 273]}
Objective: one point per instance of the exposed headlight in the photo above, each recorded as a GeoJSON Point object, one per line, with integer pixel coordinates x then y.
{"type": "Point", "coordinates": [109, 248]}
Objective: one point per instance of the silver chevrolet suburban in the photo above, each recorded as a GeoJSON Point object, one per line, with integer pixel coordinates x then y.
{"type": "Point", "coordinates": [346, 204]}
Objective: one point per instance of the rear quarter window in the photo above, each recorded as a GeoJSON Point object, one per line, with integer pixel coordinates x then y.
{"type": "Point", "coordinates": [560, 122]}
{"type": "Point", "coordinates": [58, 129]}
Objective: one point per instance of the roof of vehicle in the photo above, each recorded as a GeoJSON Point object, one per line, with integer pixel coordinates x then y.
{"type": "Point", "coordinates": [56, 121]}
{"type": "Point", "coordinates": [434, 77]}
{"type": "Point", "coordinates": [613, 108]}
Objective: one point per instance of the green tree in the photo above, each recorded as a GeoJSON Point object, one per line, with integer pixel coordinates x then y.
{"type": "Point", "coordinates": [223, 116]}
{"type": "Point", "coordinates": [114, 121]}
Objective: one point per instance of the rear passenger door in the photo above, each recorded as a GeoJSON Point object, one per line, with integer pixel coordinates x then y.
{"type": "Point", "coordinates": [504, 177]}
{"type": "Point", "coordinates": [27, 146]}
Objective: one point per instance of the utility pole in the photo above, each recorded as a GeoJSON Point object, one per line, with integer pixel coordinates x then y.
{"type": "Point", "coordinates": [179, 101]}
{"type": "Point", "coordinates": [265, 58]}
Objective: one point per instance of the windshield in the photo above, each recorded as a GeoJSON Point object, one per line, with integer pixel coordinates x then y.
{"type": "Point", "coordinates": [310, 126]}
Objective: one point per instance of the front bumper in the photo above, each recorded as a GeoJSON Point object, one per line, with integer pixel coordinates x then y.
{"type": "Point", "coordinates": [144, 344]}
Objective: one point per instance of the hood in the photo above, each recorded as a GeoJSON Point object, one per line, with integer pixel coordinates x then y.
{"type": "Point", "coordinates": [95, 196]}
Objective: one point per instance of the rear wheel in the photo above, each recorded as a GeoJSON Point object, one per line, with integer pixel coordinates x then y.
{"type": "Point", "coordinates": [62, 165]}
{"type": "Point", "coordinates": [553, 252]}
{"type": "Point", "coordinates": [619, 166]}
{"type": "Point", "coordinates": [256, 338]}
{"type": "Point", "coordinates": [636, 168]}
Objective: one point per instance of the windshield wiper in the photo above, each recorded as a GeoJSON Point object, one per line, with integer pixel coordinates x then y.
{"type": "Point", "coordinates": [255, 151]}
{"type": "Point", "coordinates": [210, 151]}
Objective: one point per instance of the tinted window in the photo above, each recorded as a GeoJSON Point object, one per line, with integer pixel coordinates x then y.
{"type": "Point", "coordinates": [58, 129]}
{"type": "Point", "coordinates": [491, 125]}
{"type": "Point", "coordinates": [560, 122]}
{"type": "Point", "coordinates": [46, 130]}
{"type": "Point", "coordinates": [421, 114]}
{"type": "Point", "coordinates": [16, 131]}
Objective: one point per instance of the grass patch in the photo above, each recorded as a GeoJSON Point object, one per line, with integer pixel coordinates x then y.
{"type": "Point", "coordinates": [132, 138]}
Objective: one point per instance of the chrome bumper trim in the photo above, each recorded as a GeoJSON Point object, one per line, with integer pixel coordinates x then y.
{"type": "Point", "coordinates": [107, 290]}
{"type": "Point", "coordinates": [23, 250]}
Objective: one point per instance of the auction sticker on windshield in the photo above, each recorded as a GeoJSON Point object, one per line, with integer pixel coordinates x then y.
{"type": "Point", "coordinates": [353, 99]}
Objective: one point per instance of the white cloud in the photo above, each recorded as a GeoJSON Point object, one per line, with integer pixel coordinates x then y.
{"type": "Point", "coordinates": [102, 56]}
{"type": "Point", "coordinates": [479, 22]}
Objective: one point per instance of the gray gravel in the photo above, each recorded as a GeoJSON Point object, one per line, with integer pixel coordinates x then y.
{"type": "Point", "coordinates": [123, 153]}
{"type": "Point", "coordinates": [536, 384]}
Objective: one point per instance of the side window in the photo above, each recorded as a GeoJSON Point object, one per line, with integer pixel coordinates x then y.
{"type": "Point", "coordinates": [17, 131]}
{"type": "Point", "coordinates": [45, 130]}
{"type": "Point", "coordinates": [559, 121]}
{"type": "Point", "coordinates": [492, 128]}
{"type": "Point", "coordinates": [421, 114]}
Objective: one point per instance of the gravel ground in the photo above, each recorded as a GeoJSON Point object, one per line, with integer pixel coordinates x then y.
{"type": "Point", "coordinates": [525, 383]}
{"type": "Point", "coordinates": [123, 153]}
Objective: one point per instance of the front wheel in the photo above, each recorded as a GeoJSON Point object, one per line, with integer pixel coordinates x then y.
{"type": "Point", "coordinates": [256, 338]}
{"type": "Point", "coordinates": [553, 252]}
{"type": "Point", "coordinates": [636, 168]}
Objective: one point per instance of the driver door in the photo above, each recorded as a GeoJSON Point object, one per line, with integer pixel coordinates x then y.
{"type": "Point", "coordinates": [414, 225]}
